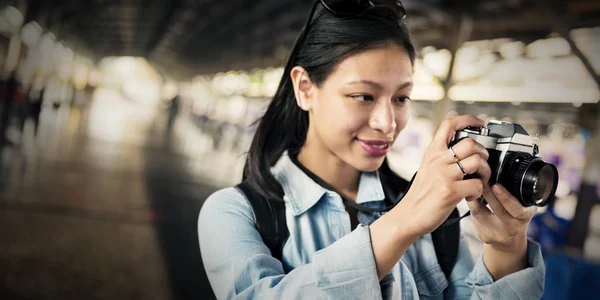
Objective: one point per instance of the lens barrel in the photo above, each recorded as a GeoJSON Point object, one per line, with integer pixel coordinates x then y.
{"type": "Point", "coordinates": [531, 180]}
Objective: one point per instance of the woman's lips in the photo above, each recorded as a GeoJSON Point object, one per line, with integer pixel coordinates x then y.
{"type": "Point", "coordinates": [375, 148]}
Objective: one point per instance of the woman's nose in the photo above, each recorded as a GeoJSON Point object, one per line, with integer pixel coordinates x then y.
{"type": "Point", "coordinates": [382, 118]}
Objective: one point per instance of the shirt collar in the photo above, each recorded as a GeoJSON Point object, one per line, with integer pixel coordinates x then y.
{"type": "Point", "coordinates": [302, 192]}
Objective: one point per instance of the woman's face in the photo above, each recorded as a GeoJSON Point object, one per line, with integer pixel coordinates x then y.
{"type": "Point", "coordinates": [360, 109]}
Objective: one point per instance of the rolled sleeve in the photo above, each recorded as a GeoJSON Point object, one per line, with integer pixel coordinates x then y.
{"type": "Point", "coordinates": [347, 268]}
{"type": "Point", "coordinates": [525, 284]}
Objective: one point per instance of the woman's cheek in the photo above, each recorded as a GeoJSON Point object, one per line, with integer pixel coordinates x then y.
{"type": "Point", "coordinates": [401, 120]}
{"type": "Point", "coordinates": [354, 125]}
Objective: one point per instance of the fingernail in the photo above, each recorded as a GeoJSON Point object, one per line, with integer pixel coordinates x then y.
{"type": "Point", "coordinates": [497, 189]}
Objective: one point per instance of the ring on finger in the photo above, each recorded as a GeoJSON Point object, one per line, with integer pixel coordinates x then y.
{"type": "Point", "coordinates": [454, 154]}
{"type": "Point", "coordinates": [482, 200]}
{"type": "Point", "coordinates": [462, 169]}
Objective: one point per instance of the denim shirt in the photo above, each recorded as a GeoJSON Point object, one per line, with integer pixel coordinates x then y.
{"type": "Point", "coordinates": [324, 258]}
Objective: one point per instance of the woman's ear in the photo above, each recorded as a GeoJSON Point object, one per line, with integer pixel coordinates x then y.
{"type": "Point", "coordinates": [303, 88]}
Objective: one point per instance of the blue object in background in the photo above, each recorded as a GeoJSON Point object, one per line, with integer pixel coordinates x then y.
{"type": "Point", "coordinates": [569, 277]}
{"type": "Point", "coordinates": [549, 230]}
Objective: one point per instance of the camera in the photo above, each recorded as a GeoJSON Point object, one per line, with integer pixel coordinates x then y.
{"type": "Point", "coordinates": [513, 161]}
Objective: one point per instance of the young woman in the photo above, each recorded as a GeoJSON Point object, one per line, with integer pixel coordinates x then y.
{"type": "Point", "coordinates": [322, 142]}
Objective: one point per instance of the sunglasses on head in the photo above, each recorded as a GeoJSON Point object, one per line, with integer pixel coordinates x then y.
{"type": "Point", "coordinates": [350, 8]}
{"type": "Point", "coordinates": [346, 8]}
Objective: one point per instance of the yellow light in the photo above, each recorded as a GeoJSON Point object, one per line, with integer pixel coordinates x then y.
{"type": "Point", "coordinates": [14, 16]}
{"type": "Point", "coordinates": [546, 48]}
{"type": "Point", "coordinates": [427, 92]}
{"type": "Point", "coordinates": [31, 34]}
{"type": "Point", "coordinates": [80, 76]}
{"type": "Point", "coordinates": [543, 93]}
{"type": "Point", "coordinates": [14, 53]}
{"type": "Point", "coordinates": [438, 62]}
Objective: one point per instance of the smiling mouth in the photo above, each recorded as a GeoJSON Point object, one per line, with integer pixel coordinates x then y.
{"type": "Point", "coordinates": [375, 148]}
{"type": "Point", "coordinates": [380, 146]}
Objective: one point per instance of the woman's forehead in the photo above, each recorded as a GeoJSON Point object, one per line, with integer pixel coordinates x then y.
{"type": "Point", "coordinates": [384, 66]}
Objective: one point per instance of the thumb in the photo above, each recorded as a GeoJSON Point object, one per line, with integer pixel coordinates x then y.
{"type": "Point", "coordinates": [449, 127]}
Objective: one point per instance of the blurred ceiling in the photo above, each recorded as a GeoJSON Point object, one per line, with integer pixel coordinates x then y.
{"type": "Point", "coordinates": [188, 37]}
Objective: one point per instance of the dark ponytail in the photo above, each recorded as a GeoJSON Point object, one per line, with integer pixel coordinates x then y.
{"type": "Point", "coordinates": [329, 40]}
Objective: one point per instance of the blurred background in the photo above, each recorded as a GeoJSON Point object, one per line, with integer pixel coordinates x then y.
{"type": "Point", "coordinates": [118, 118]}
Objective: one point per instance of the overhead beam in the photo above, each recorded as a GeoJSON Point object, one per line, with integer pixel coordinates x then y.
{"type": "Point", "coordinates": [582, 6]}
{"type": "Point", "coordinates": [437, 14]}
{"type": "Point", "coordinates": [189, 20]}
{"type": "Point", "coordinates": [563, 27]}
{"type": "Point", "coordinates": [173, 10]}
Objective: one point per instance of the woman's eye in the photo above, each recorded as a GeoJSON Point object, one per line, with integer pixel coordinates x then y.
{"type": "Point", "coordinates": [363, 98]}
{"type": "Point", "coordinates": [402, 99]}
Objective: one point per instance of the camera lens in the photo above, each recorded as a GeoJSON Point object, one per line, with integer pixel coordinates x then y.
{"type": "Point", "coordinates": [539, 182]}
{"type": "Point", "coordinates": [544, 184]}
{"type": "Point", "coordinates": [529, 179]}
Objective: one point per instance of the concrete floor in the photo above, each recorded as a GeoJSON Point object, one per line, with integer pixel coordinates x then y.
{"type": "Point", "coordinates": [103, 203]}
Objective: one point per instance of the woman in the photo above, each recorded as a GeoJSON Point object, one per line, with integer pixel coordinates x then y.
{"type": "Point", "coordinates": [340, 105]}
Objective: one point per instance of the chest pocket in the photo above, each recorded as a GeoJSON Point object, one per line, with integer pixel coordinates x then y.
{"type": "Point", "coordinates": [431, 283]}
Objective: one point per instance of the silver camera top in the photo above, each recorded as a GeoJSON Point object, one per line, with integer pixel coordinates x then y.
{"type": "Point", "coordinates": [501, 136]}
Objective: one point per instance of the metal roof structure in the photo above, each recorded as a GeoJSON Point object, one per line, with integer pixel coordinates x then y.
{"type": "Point", "coordinates": [189, 37]}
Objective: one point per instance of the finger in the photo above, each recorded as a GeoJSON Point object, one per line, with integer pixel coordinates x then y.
{"type": "Point", "coordinates": [469, 188]}
{"type": "Point", "coordinates": [480, 212]}
{"type": "Point", "coordinates": [473, 164]}
{"type": "Point", "coordinates": [480, 168]}
{"type": "Point", "coordinates": [512, 205]}
{"type": "Point", "coordinates": [468, 147]}
{"type": "Point", "coordinates": [497, 207]}
{"type": "Point", "coordinates": [448, 127]}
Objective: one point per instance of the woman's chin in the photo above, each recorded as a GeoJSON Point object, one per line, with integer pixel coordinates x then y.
{"type": "Point", "coordinates": [369, 164]}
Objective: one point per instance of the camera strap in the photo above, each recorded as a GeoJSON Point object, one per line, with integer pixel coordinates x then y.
{"type": "Point", "coordinates": [389, 203]}
{"type": "Point", "coordinates": [449, 222]}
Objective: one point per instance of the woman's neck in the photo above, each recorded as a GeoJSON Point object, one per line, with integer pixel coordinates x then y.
{"type": "Point", "coordinates": [331, 169]}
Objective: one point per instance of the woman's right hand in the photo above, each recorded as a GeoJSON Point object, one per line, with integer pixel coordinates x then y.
{"type": "Point", "coordinates": [435, 192]}
{"type": "Point", "coordinates": [439, 184]}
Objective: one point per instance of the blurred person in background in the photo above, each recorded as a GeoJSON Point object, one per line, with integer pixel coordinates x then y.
{"type": "Point", "coordinates": [321, 148]}
{"type": "Point", "coordinates": [173, 111]}
{"type": "Point", "coordinates": [35, 108]}
{"type": "Point", "coordinates": [10, 87]}
{"type": "Point", "coordinates": [21, 102]}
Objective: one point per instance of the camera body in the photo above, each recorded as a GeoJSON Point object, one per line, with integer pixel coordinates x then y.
{"type": "Point", "coordinates": [514, 162]}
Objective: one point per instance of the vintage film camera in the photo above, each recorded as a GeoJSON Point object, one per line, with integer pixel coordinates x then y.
{"type": "Point", "coordinates": [514, 162]}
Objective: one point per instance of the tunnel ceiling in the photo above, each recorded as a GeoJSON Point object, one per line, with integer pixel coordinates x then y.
{"type": "Point", "coordinates": [188, 37]}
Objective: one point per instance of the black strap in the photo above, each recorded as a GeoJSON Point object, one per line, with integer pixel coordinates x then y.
{"type": "Point", "coordinates": [269, 218]}
{"type": "Point", "coordinates": [446, 239]}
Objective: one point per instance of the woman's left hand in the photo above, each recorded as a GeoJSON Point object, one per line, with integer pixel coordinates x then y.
{"type": "Point", "coordinates": [503, 230]}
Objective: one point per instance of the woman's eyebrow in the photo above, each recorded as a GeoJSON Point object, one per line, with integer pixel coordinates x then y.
{"type": "Point", "coordinates": [378, 86]}
{"type": "Point", "coordinates": [405, 85]}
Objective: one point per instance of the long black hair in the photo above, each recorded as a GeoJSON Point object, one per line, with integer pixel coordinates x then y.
{"type": "Point", "coordinates": [329, 40]}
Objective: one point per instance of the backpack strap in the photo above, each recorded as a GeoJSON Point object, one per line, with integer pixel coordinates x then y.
{"type": "Point", "coordinates": [446, 237]}
{"type": "Point", "coordinates": [269, 218]}
{"type": "Point", "coordinates": [445, 241]}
